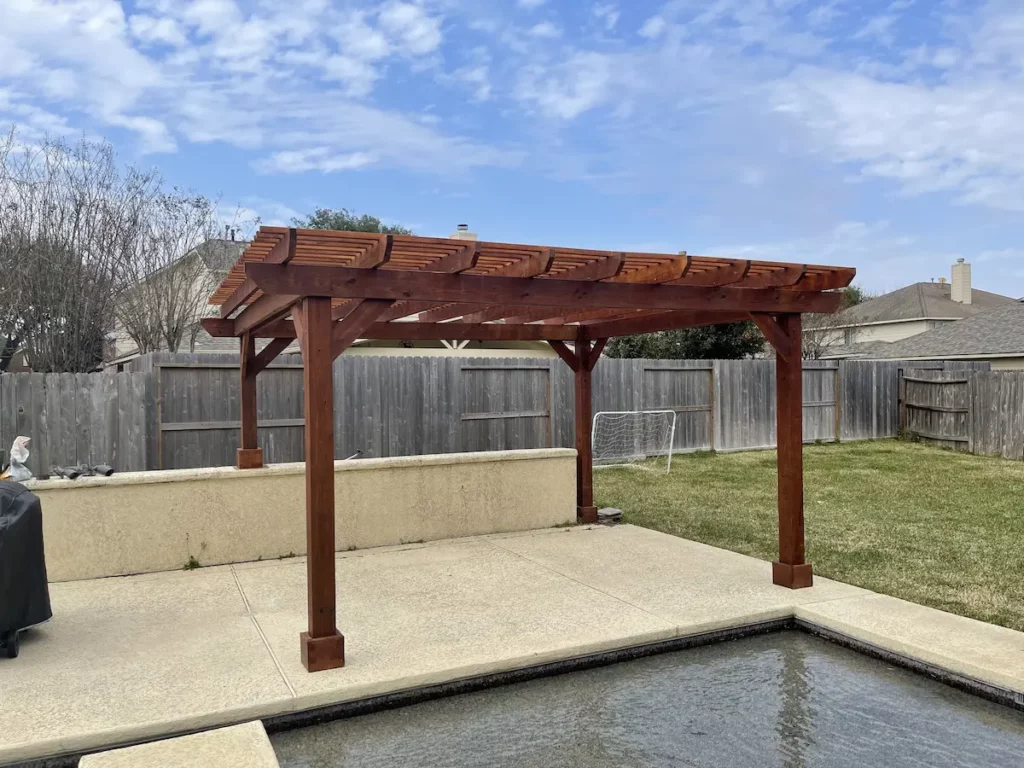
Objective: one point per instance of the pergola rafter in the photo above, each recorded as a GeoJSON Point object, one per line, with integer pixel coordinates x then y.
{"type": "Point", "coordinates": [341, 286]}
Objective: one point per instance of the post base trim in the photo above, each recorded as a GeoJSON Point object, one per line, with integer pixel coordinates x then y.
{"type": "Point", "coordinates": [586, 514]}
{"type": "Point", "coordinates": [322, 653]}
{"type": "Point", "coordinates": [792, 576]}
{"type": "Point", "coordinates": [249, 458]}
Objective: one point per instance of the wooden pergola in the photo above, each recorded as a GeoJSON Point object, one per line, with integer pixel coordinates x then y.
{"type": "Point", "coordinates": [328, 289]}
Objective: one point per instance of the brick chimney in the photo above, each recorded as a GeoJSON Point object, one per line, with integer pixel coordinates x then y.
{"type": "Point", "coordinates": [462, 233]}
{"type": "Point", "coordinates": [961, 289]}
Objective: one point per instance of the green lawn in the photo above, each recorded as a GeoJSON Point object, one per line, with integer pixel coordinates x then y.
{"type": "Point", "coordinates": [935, 527]}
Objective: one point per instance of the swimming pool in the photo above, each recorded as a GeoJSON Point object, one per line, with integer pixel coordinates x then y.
{"type": "Point", "coordinates": [783, 699]}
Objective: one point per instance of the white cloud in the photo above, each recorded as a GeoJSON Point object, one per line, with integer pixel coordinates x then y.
{"type": "Point", "coordinates": [653, 27]}
{"type": "Point", "coordinates": [545, 30]}
{"type": "Point", "coordinates": [966, 137]}
{"type": "Point", "coordinates": [478, 78]}
{"type": "Point", "coordinates": [322, 159]}
{"type": "Point", "coordinates": [417, 32]}
{"type": "Point", "coordinates": [149, 29]}
{"type": "Point", "coordinates": [531, 3]}
{"type": "Point", "coordinates": [608, 14]}
{"type": "Point", "coordinates": [359, 40]}
{"type": "Point", "coordinates": [572, 88]}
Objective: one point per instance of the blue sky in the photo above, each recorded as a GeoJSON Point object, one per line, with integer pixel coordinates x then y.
{"type": "Point", "coordinates": [886, 135]}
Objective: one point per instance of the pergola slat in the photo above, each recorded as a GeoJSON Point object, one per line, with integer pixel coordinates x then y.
{"type": "Point", "coordinates": [340, 286]}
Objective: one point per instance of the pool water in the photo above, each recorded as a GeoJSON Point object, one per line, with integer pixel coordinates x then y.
{"type": "Point", "coordinates": [785, 699]}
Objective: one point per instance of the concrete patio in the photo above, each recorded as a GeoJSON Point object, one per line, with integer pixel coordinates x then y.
{"type": "Point", "coordinates": [135, 658]}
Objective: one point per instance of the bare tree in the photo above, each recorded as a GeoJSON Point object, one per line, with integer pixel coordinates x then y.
{"type": "Point", "coordinates": [166, 279]}
{"type": "Point", "coordinates": [67, 215]}
{"type": "Point", "coordinates": [821, 334]}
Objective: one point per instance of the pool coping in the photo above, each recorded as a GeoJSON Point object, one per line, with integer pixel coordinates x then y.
{"type": "Point", "coordinates": [420, 694]}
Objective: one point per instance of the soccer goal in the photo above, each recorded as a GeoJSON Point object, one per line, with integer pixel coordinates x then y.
{"type": "Point", "coordinates": [627, 438]}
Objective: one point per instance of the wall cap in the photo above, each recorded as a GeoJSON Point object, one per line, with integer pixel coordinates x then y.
{"type": "Point", "coordinates": [297, 468]}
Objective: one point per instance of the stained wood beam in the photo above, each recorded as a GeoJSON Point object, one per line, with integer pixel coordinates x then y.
{"type": "Point", "coordinates": [354, 325]}
{"type": "Point", "coordinates": [791, 569]}
{"type": "Point", "coordinates": [298, 327]}
{"type": "Point", "coordinates": [249, 455]}
{"type": "Point", "coordinates": [530, 266]}
{"type": "Point", "coordinates": [376, 255]}
{"type": "Point", "coordinates": [776, 335]}
{"type": "Point", "coordinates": [285, 329]}
{"type": "Point", "coordinates": [599, 269]}
{"type": "Point", "coordinates": [322, 645]}
{"type": "Point", "coordinates": [787, 277]}
{"type": "Point", "coordinates": [341, 282]}
{"type": "Point", "coordinates": [281, 253]}
{"type": "Point", "coordinates": [724, 275]}
{"type": "Point", "coordinates": [269, 353]}
{"type": "Point", "coordinates": [662, 321]}
{"type": "Point", "coordinates": [511, 314]}
{"type": "Point", "coordinates": [586, 512]}
{"type": "Point", "coordinates": [267, 308]}
{"type": "Point", "coordinates": [460, 261]}
{"type": "Point", "coordinates": [830, 281]}
{"type": "Point", "coordinates": [566, 354]}
{"type": "Point", "coordinates": [662, 272]}
{"type": "Point", "coordinates": [533, 265]}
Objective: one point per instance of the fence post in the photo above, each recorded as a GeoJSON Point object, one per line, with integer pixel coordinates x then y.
{"type": "Point", "coordinates": [970, 410]}
{"type": "Point", "coordinates": [839, 401]}
{"type": "Point", "coordinates": [711, 405]}
{"type": "Point", "coordinates": [901, 403]}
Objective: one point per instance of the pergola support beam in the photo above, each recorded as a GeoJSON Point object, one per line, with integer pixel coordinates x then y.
{"type": "Point", "coordinates": [322, 645]}
{"type": "Point", "coordinates": [791, 569]}
{"type": "Point", "coordinates": [582, 361]}
{"type": "Point", "coordinates": [249, 455]}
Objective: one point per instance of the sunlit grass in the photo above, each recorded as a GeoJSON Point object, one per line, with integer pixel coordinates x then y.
{"type": "Point", "coordinates": [939, 528]}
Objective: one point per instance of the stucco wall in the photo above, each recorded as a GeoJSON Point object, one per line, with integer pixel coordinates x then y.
{"type": "Point", "coordinates": [155, 521]}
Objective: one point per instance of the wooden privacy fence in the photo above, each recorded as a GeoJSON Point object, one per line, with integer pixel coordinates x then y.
{"type": "Point", "coordinates": [177, 411]}
{"type": "Point", "coordinates": [967, 410]}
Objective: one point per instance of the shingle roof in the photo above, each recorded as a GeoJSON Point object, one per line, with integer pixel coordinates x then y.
{"type": "Point", "coordinates": [919, 301]}
{"type": "Point", "coordinates": [863, 350]}
{"type": "Point", "coordinates": [221, 255]}
{"type": "Point", "coordinates": [999, 331]}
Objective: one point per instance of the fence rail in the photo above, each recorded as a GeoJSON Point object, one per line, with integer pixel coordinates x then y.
{"type": "Point", "coordinates": [177, 411]}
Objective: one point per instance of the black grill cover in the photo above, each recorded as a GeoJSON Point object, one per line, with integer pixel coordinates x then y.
{"type": "Point", "coordinates": [24, 596]}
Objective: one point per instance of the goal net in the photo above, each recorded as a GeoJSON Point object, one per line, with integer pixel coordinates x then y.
{"type": "Point", "coordinates": [634, 438]}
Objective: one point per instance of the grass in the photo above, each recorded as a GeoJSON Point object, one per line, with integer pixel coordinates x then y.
{"type": "Point", "coordinates": [935, 527]}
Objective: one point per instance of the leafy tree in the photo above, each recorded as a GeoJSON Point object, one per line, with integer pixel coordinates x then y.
{"type": "Point", "coordinates": [854, 295]}
{"type": "Point", "coordinates": [348, 221]}
{"type": "Point", "coordinates": [728, 341]}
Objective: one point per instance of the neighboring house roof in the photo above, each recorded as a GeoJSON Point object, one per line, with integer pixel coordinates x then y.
{"type": "Point", "coordinates": [997, 332]}
{"type": "Point", "coordinates": [918, 302]}
{"type": "Point", "coordinates": [220, 255]}
{"type": "Point", "coordinates": [864, 349]}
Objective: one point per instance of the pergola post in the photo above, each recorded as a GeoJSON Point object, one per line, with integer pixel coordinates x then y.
{"type": "Point", "coordinates": [790, 570]}
{"type": "Point", "coordinates": [586, 512]}
{"type": "Point", "coordinates": [582, 362]}
{"type": "Point", "coordinates": [323, 646]}
{"type": "Point", "coordinates": [250, 455]}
